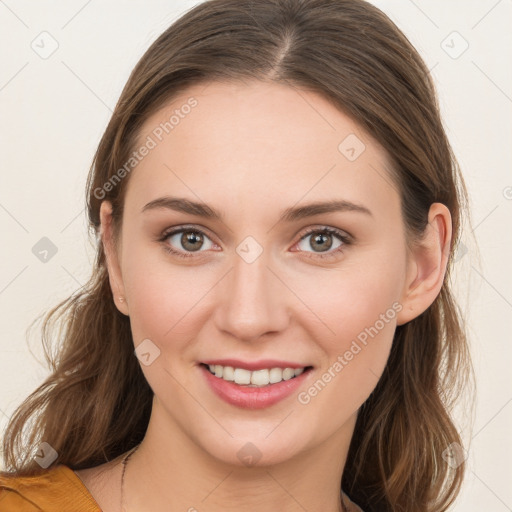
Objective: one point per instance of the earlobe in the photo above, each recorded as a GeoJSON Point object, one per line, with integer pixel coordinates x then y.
{"type": "Point", "coordinates": [111, 256]}
{"type": "Point", "coordinates": [427, 265]}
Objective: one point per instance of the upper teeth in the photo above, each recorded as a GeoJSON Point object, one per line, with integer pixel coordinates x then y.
{"type": "Point", "coordinates": [255, 378]}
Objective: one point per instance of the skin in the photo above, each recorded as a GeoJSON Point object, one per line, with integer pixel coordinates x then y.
{"type": "Point", "coordinates": [250, 151]}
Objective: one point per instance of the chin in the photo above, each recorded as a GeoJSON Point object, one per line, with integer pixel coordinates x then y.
{"type": "Point", "coordinates": [254, 451]}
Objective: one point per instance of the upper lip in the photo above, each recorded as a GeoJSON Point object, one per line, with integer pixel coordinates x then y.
{"type": "Point", "coordinates": [262, 364]}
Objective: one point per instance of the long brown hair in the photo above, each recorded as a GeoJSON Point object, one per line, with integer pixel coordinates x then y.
{"type": "Point", "coordinates": [96, 403]}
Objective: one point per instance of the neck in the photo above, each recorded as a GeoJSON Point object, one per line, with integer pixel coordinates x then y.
{"type": "Point", "coordinates": [170, 472]}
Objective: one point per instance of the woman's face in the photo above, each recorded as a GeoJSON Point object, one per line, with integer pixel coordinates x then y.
{"type": "Point", "coordinates": [260, 284]}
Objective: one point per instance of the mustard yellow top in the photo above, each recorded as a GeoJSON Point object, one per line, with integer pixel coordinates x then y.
{"type": "Point", "coordinates": [58, 489]}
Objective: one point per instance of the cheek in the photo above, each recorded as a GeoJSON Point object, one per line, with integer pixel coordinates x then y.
{"type": "Point", "coordinates": [352, 297]}
{"type": "Point", "coordinates": [166, 301]}
{"type": "Point", "coordinates": [356, 310]}
{"type": "Point", "coordinates": [364, 322]}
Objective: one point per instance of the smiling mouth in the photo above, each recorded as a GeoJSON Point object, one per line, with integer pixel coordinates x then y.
{"type": "Point", "coordinates": [256, 378]}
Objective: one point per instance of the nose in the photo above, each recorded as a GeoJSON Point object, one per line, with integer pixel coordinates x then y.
{"type": "Point", "coordinates": [253, 302]}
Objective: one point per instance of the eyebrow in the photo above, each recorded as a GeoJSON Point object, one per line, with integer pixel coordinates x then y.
{"type": "Point", "coordinates": [288, 215]}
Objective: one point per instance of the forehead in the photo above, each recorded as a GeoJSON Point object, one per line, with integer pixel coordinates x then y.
{"type": "Point", "coordinates": [258, 139]}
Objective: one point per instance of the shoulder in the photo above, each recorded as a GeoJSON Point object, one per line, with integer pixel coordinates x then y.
{"type": "Point", "coordinates": [56, 487]}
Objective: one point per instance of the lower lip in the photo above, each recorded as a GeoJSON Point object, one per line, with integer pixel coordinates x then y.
{"type": "Point", "coordinates": [253, 397]}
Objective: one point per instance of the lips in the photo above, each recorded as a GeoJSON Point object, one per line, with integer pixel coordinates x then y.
{"type": "Point", "coordinates": [258, 383]}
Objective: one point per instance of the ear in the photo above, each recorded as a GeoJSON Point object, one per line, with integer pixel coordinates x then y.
{"type": "Point", "coordinates": [111, 255]}
{"type": "Point", "coordinates": [426, 265]}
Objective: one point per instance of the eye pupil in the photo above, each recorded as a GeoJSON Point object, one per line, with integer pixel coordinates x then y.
{"type": "Point", "coordinates": [191, 237]}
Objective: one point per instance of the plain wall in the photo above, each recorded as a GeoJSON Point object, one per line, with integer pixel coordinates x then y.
{"type": "Point", "coordinates": [54, 110]}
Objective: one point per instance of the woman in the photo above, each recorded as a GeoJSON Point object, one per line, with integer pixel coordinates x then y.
{"type": "Point", "coordinates": [277, 206]}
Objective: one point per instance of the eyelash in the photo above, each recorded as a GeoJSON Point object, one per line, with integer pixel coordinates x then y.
{"type": "Point", "coordinates": [344, 238]}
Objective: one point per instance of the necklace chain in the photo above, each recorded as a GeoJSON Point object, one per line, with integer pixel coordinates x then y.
{"type": "Point", "coordinates": [124, 463]}
{"type": "Point", "coordinates": [133, 450]}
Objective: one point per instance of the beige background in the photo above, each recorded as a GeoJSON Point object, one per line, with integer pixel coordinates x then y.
{"type": "Point", "coordinates": [54, 110]}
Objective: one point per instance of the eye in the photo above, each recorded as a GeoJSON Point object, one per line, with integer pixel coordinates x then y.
{"type": "Point", "coordinates": [188, 241]}
{"type": "Point", "coordinates": [323, 241]}
{"type": "Point", "coordinates": [327, 242]}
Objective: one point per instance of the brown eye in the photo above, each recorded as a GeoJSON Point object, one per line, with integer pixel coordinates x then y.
{"type": "Point", "coordinates": [324, 242]}
{"type": "Point", "coordinates": [185, 241]}
{"type": "Point", "coordinates": [321, 241]}
{"type": "Point", "coordinates": [191, 240]}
